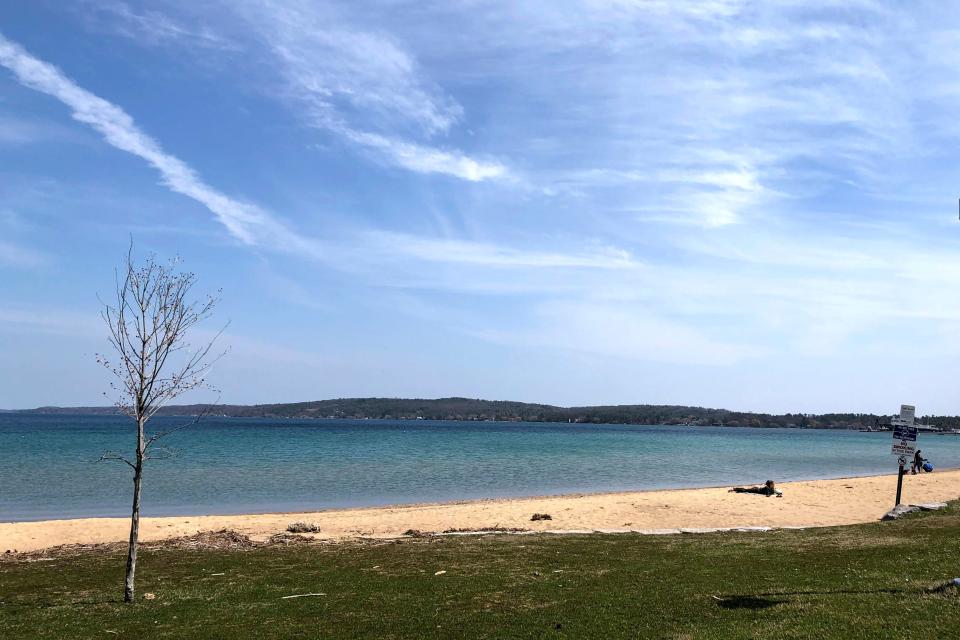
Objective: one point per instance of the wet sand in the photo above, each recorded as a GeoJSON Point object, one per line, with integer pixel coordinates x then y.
{"type": "Point", "coordinates": [815, 503]}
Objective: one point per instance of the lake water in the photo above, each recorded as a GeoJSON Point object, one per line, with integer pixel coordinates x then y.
{"type": "Point", "coordinates": [48, 465]}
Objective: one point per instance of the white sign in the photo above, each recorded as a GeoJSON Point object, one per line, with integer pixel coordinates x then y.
{"type": "Point", "coordinates": [904, 440]}
{"type": "Point", "coordinates": [907, 413]}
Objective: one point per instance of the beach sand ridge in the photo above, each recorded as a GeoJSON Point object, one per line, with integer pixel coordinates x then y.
{"type": "Point", "coordinates": [814, 503]}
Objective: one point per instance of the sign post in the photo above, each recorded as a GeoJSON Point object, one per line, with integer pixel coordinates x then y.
{"type": "Point", "coordinates": [900, 480]}
{"type": "Point", "coordinates": [904, 442]}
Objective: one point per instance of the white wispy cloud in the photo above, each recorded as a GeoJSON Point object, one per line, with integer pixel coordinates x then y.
{"type": "Point", "coordinates": [14, 131]}
{"type": "Point", "coordinates": [712, 195]}
{"type": "Point", "coordinates": [425, 159]}
{"type": "Point", "coordinates": [364, 86]}
{"type": "Point", "coordinates": [152, 27]}
{"type": "Point", "coordinates": [728, 295]}
{"type": "Point", "coordinates": [631, 333]}
{"type": "Point", "coordinates": [359, 84]}
{"type": "Point", "coordinates": [249, 223]}
{"type": "Point", "coordinates": [254, 226]}
{"type": "Point", "coordinates": [337, 69]}
{"type": "Point", "coordinates": [246, 222]}
{"type": "Point", "coordinates": [709, 90]}
{"type": "Point", "coordinates": [454, 251]}
{"type": "Point", "coordinates": [33, 319]}
{"type": "Point", "coordinates": [14, 255]}
{"type": "Point", "coordinates": [18, 131]}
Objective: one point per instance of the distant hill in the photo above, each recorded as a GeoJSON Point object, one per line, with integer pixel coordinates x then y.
{"type": "Point", "coordinates": [474, 409]}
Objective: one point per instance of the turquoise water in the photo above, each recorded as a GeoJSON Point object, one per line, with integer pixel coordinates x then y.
{"type": "Point", "coordinates": [224, 465]}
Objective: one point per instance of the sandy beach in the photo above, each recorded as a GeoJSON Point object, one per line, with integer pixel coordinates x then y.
{"type": "Point", "coordinates": [814, 503]}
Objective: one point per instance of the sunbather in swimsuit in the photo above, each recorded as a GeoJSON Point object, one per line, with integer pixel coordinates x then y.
{"type": "Point", "coordinates": [768, 489]}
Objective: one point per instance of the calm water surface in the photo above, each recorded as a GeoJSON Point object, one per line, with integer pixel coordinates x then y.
{"type": "Point", "coordinates": [234, 465]}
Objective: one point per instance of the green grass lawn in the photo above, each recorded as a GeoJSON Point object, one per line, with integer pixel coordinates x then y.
{"type": "Point", "coordinates": [867, 581]}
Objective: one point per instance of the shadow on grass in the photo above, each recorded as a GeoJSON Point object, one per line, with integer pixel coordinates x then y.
{"type": "Point", "coordinates": [747, 602]}
{"type": "Point", "coordinates": [758, 601]}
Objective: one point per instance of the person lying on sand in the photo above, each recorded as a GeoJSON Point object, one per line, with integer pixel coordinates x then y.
{"type": "Point", "coordinates": [768, 489]}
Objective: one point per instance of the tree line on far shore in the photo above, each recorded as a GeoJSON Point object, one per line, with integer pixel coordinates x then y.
{"type": "Point", "coordinates": [476, 409]}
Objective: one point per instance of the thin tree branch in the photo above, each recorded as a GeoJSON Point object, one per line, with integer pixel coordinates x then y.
{"type": "Point", "coordinates": [113, 456]}
{"type": "Point", "coordinates": [195, 419]}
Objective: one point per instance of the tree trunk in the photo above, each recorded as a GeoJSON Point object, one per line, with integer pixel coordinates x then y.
{"type": "Point", "coordinates": [128, 590]}
{"type": "Point", "coordinates": [134, 536]}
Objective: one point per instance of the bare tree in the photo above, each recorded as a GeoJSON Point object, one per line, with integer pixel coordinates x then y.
{"type": "Point", "coordinates": [154, 363]}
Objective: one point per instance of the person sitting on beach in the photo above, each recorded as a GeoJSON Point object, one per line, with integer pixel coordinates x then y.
{"type": "Point", "coordinates": [768, 489]}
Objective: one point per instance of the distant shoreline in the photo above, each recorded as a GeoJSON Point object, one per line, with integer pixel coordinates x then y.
{"type": "Point", "coordinates": [814, 503]}
{"type": "Point", "coordinates": [478, 410]}
{"type": "Point", "coordinates": [464, 420]}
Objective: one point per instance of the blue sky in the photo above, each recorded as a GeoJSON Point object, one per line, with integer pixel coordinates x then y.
{"type": "Point", "coordinates": [724, 203]}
